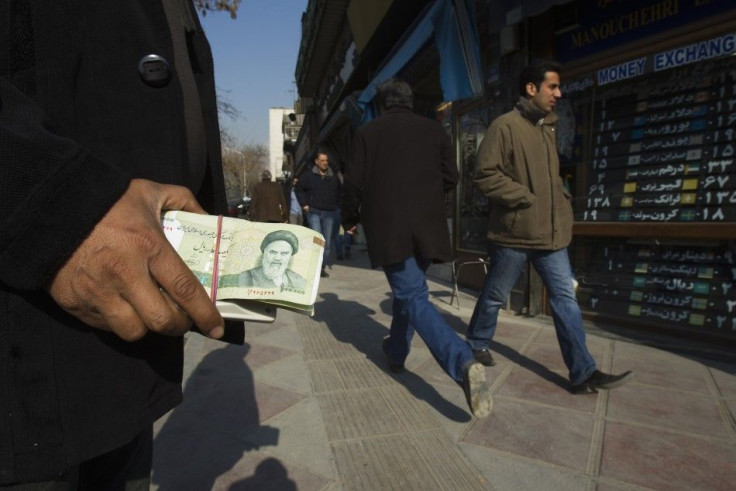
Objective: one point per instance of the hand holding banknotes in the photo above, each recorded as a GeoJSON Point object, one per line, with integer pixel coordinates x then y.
{"type": "Point", "coordinates": [126, 278]}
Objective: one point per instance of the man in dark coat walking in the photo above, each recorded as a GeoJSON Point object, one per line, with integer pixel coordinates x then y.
{"type": "Point", "coordinates": [395, 185]}
{"type": "Point", "coordinates": [268, 203]}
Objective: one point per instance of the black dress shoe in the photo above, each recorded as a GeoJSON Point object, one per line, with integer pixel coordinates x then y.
{"type": "Point", "coordinates": [324, 274]}
{"type": "Point", "coordinates": [600, 380]}
{"type": "Point", "coordinates": [484, 356]}
{"type": "Point", "coordinates": [392, 365]}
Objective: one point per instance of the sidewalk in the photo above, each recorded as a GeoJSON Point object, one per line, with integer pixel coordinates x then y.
{"type": "Point", "coordinates": [308, 404]}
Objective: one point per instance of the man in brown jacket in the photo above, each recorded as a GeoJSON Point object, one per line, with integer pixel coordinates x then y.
{"type": "Point", "coordinates": [531, 219]}
{"type": "Point", "coordinates": [268, 203]}
{"type": "Point", "coordinates": [395, 185]}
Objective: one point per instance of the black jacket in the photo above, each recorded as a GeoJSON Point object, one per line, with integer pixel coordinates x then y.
{"type": "Point", "coordinates": [77, 122]}
{"type": "Point", "coordinates": [402, 165]}
{"type": "Point", "coordinates": [316, 191]}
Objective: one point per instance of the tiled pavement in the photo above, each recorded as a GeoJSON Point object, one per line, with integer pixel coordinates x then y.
{"type": "Point", "coordinates": [307, 404]}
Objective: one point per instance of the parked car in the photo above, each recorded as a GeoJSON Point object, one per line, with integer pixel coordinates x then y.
{"type": "Point", "coordinates": [243, 207]}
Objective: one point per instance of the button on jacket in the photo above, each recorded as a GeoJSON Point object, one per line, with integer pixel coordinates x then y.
{"type": "Point", "coordinates": [518, 169]}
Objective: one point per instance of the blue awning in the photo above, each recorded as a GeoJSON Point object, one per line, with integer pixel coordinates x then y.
{"type": "Point", "coordinates": [452, 26]}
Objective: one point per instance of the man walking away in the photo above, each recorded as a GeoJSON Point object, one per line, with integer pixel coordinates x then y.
{"type": "Point", "coordinates": [268, 203]}
{"type": "Point", "coordinates": [406, 230]}
{"type": "Point", "coordinates": [531, 220]}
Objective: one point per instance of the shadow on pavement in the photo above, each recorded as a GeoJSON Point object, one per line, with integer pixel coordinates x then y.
{"type": "Point", "coordinates": [270, 474]}
{"type": "Point", "coordinates": [205, 436]}
{"type": "Point", "coordinates": [366, 335]}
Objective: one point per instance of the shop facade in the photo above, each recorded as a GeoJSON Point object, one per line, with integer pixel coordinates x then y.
{"type": "Point", "coordinates": [647, 148]}
{"type": "Point", "coordinates": [645, 135]}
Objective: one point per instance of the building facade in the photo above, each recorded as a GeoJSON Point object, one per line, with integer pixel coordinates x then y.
{"type": "Point", "coordinates": [645, 136]}
{"type": "Point", "coordinates": [278, 133]}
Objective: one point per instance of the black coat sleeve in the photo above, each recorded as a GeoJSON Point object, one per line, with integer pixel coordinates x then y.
{"type": "Point", "coordinates": [352, 188]}
{"type": "Point", "coordinates": [52, 192]}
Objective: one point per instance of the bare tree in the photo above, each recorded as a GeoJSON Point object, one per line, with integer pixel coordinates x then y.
{"type": "Point", "coordinates": [242, 168]}
{"type": "Point", "coordinates": [226, 108]}
{"type": "Point", "coordinates": [230, 6]}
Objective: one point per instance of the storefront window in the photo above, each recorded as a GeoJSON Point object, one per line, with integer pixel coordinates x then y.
{"type": "Point", "coordinates": [656, 150]}
{"type": "Point", "coordinates": [472, 205]}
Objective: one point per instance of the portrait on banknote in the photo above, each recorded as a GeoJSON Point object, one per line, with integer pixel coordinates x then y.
{"type": "Point", "coordinates": [278, 248]}
{"type": "Point", "coordinates": [237, 259]}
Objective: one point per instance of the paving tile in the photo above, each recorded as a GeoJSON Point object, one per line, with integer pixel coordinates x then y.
{"type": "Point", "coordinates": [611, 485]}
{"type": "Point", "coordinates": [264, 355]}
{"type": "Point", "coordinates": [263, 471]}
{"type": "Point", "coordinates": [233, 397]}
{"type": "Point", "coordinates": [365, 413]}
{"type": "Point", "coordinates": [285, 337]}
{"type": "Point", "coordinates": [301, 438]}
{"type": "Point", "coordinates": [525, 429]}
{"type": "Point", "coordinates": [347, 374]}
{"type": "Point", "coordinates": [505, 349]}
{"type": "Point", "coordinates": [446, 403]}
{"type": "Point", "coordinates": [547, 388]}
{"type": "Point", "coordinates": [659, 459]}
{"type": "Point", "coordinates": [673, 372]}
{"type": "Point", "coordinates": [325, 377]}
{"type": "Point", "coordinates": [731, 408]}
{"type": "Point", "coordinates": [289, 373]}
{"type": "Point", "coordinates": [272, 400]}
{"type": "Point", "coordinates": [725, 379]}
{"type": "Point", "coordinates": [424, 461]}
{"type": "Point", "coordinates": [320, 343]}
{"type": "Point", "coordinates": [645, 352]}
{"type": "Point", "coordinates": [542, 366]}
{"type": "Point", "coordinates": [512, 473]}
{"type": "Point", "coordinates": [254, 330]}
{"type": "Point", "coordinates": [546, 355]}
{"type": "Point", "coordinates": [209, 433]}
{"type": "Point", "coordinates": [671, 409]}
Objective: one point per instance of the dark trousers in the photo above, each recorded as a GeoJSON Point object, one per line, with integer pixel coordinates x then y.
{"type": "Point", "coordinates": [127, 468]}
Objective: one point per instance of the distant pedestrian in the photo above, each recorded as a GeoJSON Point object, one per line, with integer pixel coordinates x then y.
{"type": "Point", "coordinates": [296, 214]}
{"type": "Point", "coordinates": [406, 230]}
{"type": "Point", "coordinates": [343, 241]}
{"type": "Point", "coordinates": [518, 169]}
{"type": "Point", "coordinates": [318, 191]}
{"type": "Point", "coordinates": [267, 201]}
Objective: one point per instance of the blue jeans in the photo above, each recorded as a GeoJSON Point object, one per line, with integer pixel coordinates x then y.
{"type": "Point", "coordinates": [322, 221]}
{"type": "Point", "coordinates": [342, 242]}
{"type": "Point", "coordinates": [413, 311]}
{"type": "Point", "coordinates": [554, 269]}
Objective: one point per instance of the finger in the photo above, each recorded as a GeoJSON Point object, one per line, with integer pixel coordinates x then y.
{"type": "Point", "coordinates": [185, 291]}
{"type": "Point", "coordinates": [156, 309]}
{"type": "Point", "coordinates": [179, 198]}
{"type": "Point", "coordinates": [122, 319]}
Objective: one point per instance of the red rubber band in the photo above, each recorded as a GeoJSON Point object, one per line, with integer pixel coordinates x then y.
{"type": "Point", "coordinates": [216, 263]}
